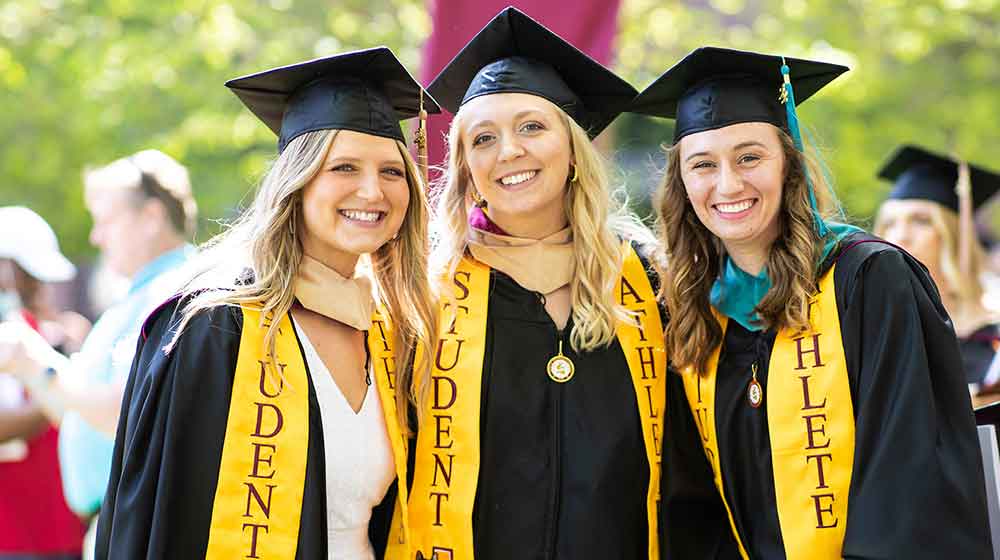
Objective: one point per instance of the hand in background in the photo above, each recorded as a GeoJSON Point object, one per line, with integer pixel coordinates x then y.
{"type": "Point", "coordinates": [23, 352]}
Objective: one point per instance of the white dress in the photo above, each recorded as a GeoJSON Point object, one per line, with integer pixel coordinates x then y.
{"type": "Point", "coordinates": [359, 462]}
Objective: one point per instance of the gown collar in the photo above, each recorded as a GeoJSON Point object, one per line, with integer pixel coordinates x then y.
{"type": "Point", "coordinates": [736, 293]}
{"type": "Point", "coordinates": [323, 290]}
{"type": "Point", "coordinates": [540, 265]}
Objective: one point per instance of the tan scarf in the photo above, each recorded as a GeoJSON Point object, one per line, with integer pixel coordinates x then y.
{"type": "Point", "coordinates": [323, 290]}
{"type": "Point", "coordinates": [540, 265]}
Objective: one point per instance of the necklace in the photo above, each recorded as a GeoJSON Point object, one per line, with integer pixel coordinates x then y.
{"type": "Point", "coordinates": [368, 361]}
{"type": "Point", "coordinates": [755, 393]}
{"type": "Point", "coordinates": [560, 367]}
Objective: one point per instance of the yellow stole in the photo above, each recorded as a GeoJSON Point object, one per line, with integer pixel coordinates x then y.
{"type": "Point", "coordinates": [447, 468]}
{"type": "Point", "coordinates": [811, 425]}
{"type": "Point", "coordinates": [383, 364]}
{"type": "Point", "coordinates": [258, 500]}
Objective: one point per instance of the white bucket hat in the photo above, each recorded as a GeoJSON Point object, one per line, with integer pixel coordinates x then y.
{"type": "Point", "coordinates": [28, 240]}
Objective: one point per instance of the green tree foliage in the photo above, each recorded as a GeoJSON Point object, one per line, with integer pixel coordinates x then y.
{"type": "Point", "coordinates": [922, 71]}
{"type": "Point", "coordinates": [83, 82]}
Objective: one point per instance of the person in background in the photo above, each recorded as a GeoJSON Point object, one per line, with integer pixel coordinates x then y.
{"type": "Point", "coordinates": [924, 215]}
{"type": "Point", "coordinates": [35, 522]}
{"type": "Point", "coordinates": [143, 213]}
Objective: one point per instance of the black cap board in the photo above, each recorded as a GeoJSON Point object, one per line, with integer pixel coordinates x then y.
{"type": "Point", "coordinates": [714, 87]}
{"type": "Point", "coordinates": [918, 173]}
{"type": "Point", "coordinates": [365, 91]}
{"type": "Point", "coordinates": [516, 54]}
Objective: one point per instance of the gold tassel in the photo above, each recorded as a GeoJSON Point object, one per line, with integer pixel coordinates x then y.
{"type": "Point", "coordinates": [420, 139]}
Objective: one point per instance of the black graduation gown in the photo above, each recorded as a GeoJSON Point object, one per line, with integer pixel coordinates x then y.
{"type": "Point", "coordinates": [563, 472]}
{"type": "Point", "coordinates": [917, 489]}
{"type": "Point", "coordinates": [168, 447]}
{"type": "Point", "coordinates": [978, 351]}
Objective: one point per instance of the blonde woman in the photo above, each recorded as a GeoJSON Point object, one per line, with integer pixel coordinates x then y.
{"type": "Point", "coordinates": [542, 417]}
{"type": "Point", "coordinates": [921, 215]}
{"type": "Point", "coordinates": [820, 411]}
{"type": "Point", "coordinates": [260, 416]}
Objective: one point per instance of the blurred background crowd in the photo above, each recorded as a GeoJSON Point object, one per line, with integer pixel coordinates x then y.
{"type": "Point", "coordinates": [124, 149]}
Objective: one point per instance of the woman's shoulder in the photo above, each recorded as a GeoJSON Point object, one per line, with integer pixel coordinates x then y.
{"type": "Point", "coordinates": [651, 258]}
{"type": "Point", "coordinates": [198, 306]}
{"type": "Point", "coordinates": [865, 260]}
{"type": "Point", "coordinates": [194, 355]}
{"type": "Point", "coordinates": [858, 253]}
{"type": "Point", "coordinates": [857, 248]}
{"type": "Point", "coordinates": [162, 325]}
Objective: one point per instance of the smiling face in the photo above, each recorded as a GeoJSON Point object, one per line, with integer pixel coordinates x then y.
{"type": "Point", "coordinates": [518, 153]}
{"type": "Point", "coordinates": [357, 200]}
{"type": "Point", "coordinates": [733, 177]}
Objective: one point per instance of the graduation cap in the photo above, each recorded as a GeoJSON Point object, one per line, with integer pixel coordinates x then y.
{"type": "Point", "coordinates": [714, 87]}
{"type": "Point", "coordinates": [516, 54]}
{"type": "Point", "coordinates": [365, 91]}
{"type": "Point", "coordinates": [921, 174]}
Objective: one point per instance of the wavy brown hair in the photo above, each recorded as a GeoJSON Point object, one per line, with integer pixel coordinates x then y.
{"type": "Point", "coordinates": [694, 256]}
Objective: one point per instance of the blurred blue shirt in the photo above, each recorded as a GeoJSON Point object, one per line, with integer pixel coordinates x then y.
{"type": "Point", "coordinates": [106, 358]}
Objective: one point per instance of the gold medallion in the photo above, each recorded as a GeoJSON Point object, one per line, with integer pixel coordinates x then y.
{"type": "Point", "coordinates": [560, 367]}
{"type": "Point", "coordinates": [755, 393]}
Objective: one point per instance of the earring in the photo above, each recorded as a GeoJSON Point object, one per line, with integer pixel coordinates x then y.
{"type": "Point", "coordinates": [478, 201]}
{"type": "Point", "coordinates": [576, 174]}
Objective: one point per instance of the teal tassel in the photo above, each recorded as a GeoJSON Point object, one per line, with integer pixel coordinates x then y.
{"type": "Point", "coordinates": [788, 97]}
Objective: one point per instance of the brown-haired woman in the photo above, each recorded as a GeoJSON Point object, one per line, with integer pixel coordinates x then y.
{"type": "Point", "coordinates": [820, 411]}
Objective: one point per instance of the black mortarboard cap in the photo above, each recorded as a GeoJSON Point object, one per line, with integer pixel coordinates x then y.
{"type": "Point", "coordinates": [365, 91]}
{"type": "Point", "coordinates": [516, 54]}
{"type": "Point", "coordinates": [921, 174]}
{"type": "Point", "coordinates": [714, 87]}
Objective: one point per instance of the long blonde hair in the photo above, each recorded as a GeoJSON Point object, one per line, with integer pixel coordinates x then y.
{"type": "Point", "coordinates": [965, 288]}
{"type": "Point", "coordinates": [597, 217]}
{"type": "Point", "coordinates": [264, 239]}
{"type": "Point", "coordinates": [695, 257]}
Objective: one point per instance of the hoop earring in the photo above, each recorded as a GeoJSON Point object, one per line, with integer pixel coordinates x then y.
{"type": "Point", "coordinates": [576, 174]}
{"type": "Point", "coordinates": [478, 201]}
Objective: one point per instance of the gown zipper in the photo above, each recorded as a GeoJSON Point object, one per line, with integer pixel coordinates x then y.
{"type": "Point", "coordinates": [551, 531]}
